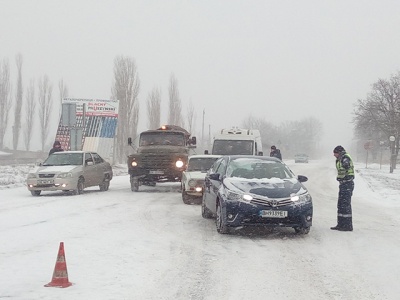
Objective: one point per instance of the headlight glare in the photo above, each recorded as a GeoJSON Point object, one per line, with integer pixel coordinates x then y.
{"type": "Point", "coordinates": [301, 198]}
{"type": "Point", "coordinates": [179, 164]}
{"type": "Point", "coordinates": [239, 197]}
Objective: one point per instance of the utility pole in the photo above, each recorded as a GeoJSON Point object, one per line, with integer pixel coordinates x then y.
{"type": "Point", "coordinates": [202, 130]}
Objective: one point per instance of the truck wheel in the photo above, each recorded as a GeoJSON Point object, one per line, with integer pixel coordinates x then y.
{"type": "Point", "coordinates": [134, 185]}
{"type": "Point", "coordinates": [36, 193]}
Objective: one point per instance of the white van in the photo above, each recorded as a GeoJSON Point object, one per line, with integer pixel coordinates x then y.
{"type": "Point", "coordinates": [237, 141]}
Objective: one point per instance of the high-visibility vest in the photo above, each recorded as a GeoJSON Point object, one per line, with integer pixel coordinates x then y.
{"type": "Point", "coordinates": [342, 172]}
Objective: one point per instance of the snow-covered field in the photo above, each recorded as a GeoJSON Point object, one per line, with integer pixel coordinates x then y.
{"type": "Point", "coordinates": [149, 245]}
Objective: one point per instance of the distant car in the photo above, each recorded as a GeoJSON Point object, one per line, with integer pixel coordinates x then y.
{"type": "Point", "coordinates": [301, 158]}
{"type": "Point", "coordinates": [70, 171]}
{"type": "Point", "coordinates": [244, 191]}
{"type": "Point", "coordinates": [193, 177]}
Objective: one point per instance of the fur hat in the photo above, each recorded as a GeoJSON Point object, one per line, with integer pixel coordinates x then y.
{"type": "Point", "coordinates": [338, 149]}
{"type": "Point", "coordinates": [273, 147]}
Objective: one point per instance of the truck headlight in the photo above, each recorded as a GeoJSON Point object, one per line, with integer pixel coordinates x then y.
{"type": "Point", "coordinates": [64, 175]}
{"type": "Point", "coordinates": [134, 164]}
{"type": "Point", "coordinates": [179, 164]}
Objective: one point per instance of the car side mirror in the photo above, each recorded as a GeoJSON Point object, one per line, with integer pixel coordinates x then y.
{"type": "Point", "coordinates": [260, 153]}
{"type": "Point", "coordinates": [89, 163]}
{"type": "Point", "coordinates": [215, 176]}
{"type": "Point", "coordinates": [302, 178]}
{"type": "Point", "coordinates": [205, 151]}
{"type": "Point", "coordinates": [129, 141]}
{"type": "Point", "coordinates": [193, 141]}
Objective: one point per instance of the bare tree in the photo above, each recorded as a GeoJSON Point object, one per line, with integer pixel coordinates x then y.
{"type": "Point", "coordinates": [191, 117]}
{"type": "Point", "coordinates": [18, 102]}
{"type": "Point", "coordinates": [175, 106]}
{"type": "Point", "coordinates": [154, 108]}
{"type": "Point", "coordinates": [380, 111]}
{"type": "Point", "coordinates": [30, 109]}
{"type": "Point", "coordinates": [45, 108]}
{"type": "Point", "coordinates": [125, 88]}
{"type": "Point", "coordinates": [378, 116]}
{"type": "Point", "coordinates": [5, 99]}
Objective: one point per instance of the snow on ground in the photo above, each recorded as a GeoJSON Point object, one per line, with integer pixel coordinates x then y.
{"type": "Point", "coordinates": [149, 245]}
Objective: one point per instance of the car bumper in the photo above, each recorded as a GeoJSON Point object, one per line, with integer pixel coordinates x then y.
{"type": "Point", "coordinates": [243, 214]}
{"type": "Point", "coordinates": [155, 174]}
{"type": "Point", "coordinates": [54, 184]}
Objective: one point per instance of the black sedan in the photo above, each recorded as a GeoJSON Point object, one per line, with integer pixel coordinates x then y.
{"type": "Point", "coordinates": [243, 191]}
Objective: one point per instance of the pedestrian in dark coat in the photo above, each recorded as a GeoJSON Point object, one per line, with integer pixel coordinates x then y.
{"type": "Point", "coordinates": [56, 147]}
{"type": "Point", "coordinates": [275, 152]}
{"type": "Point", "coordinates": [345, 169]}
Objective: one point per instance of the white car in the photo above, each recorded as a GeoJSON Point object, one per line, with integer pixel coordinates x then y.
{"type": "Point", "coordinates": [70, 171]}
{"type": "Point", "coordinates": [193, 177]}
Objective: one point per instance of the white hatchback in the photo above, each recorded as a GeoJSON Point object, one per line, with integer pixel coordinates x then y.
{"type": "Point", "coordinates": [193, 177]}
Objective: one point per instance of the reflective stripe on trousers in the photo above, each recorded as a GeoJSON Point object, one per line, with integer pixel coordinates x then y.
{"type": "Point", "coordinates": [344, 212]}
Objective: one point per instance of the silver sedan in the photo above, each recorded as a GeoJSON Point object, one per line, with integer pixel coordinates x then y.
{"type": "Point", "coordinates": [70, 171]}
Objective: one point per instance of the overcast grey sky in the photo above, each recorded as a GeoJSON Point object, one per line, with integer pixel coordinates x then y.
{"type": "Point", "coordinates": [277, 60]}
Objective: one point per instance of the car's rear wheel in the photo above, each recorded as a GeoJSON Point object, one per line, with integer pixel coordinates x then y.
{"type": "Point", "coordinates": [80, 186]}
{"type": "Point", "coordinates": [134, 184]}
{"type": "Point", "coordinates": [220, 221]}
{"type": "Point", "coordinates": [36, 193]}
{"type": "Point", "coordinates": [302, 230]}
{"type": "Point", "coordinates": [205, 212]}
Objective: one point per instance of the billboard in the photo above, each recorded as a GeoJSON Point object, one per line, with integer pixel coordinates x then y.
{"type": "Point", "coordinates": [92, 126]}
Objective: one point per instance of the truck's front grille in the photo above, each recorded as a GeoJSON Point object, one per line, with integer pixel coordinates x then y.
{"type": "Point", "coordinates": [159, 161]}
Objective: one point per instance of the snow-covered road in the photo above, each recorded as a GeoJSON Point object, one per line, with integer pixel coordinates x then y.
{"type": "Point", "coordinates": [149, 245]}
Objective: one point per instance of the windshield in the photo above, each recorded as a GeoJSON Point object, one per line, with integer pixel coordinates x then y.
{"type": "Point", "coordinates": [162, 138]}
{"type": "Point", "coordinates": [257, 168]}
{"type": "Point", "coordinates": [64, 159]}
{"type": "Point", "coordinates": [232, 147]}
{"type": "Point", "coordinates": [202, 164]}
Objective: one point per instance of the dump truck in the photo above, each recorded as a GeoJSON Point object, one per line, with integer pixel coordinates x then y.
{"type": "Point", "coordinates": [161, 156]}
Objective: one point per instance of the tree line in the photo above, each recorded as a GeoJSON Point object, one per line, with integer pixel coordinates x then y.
{"type": "Point", "coordinates": [376, 118]}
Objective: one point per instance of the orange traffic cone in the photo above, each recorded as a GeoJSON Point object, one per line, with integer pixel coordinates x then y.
{"type": "Point", "coordinates": [60, 274]}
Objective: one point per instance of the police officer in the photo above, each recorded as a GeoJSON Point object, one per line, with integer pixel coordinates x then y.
{"type": "Point", "coordinates": [345, 169]}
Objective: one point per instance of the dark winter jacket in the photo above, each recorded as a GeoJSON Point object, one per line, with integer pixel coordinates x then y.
{"type": "Point", "coordinates": [276, 153]}
{"type": "Point", "coordinates": [56, 148]}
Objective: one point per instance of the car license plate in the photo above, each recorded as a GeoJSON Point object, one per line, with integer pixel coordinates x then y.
{"type": "Point", "coordinates": [45, 181]}
{"type": "Point", "coordinates": [156, 172]}
{"type": "Point", "coordinates": [273, 213]}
